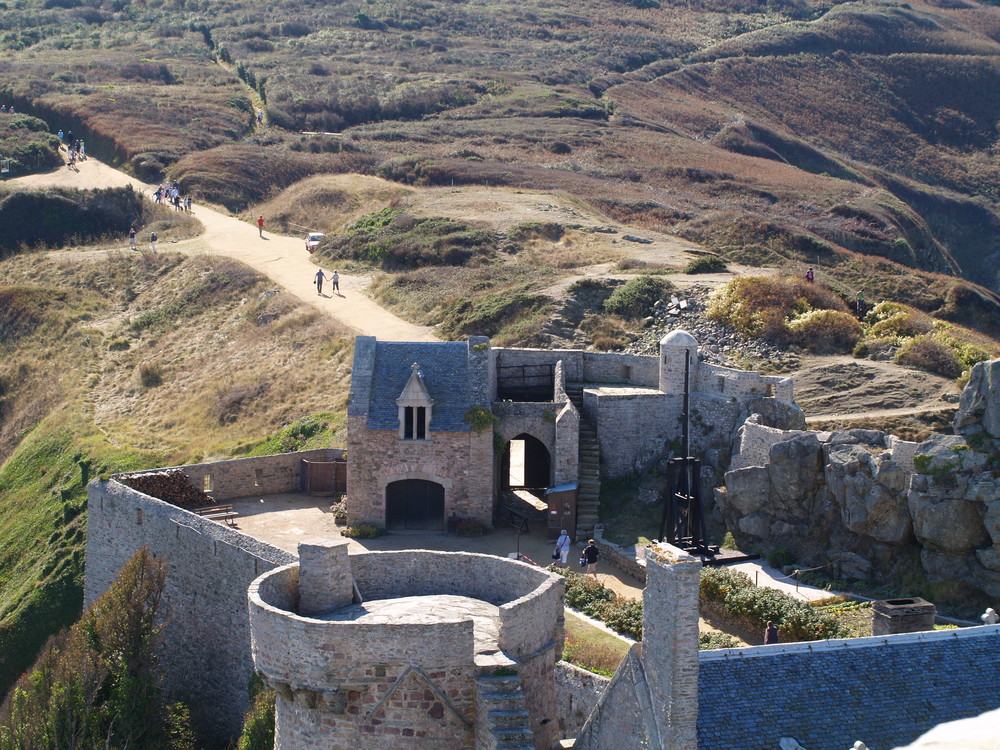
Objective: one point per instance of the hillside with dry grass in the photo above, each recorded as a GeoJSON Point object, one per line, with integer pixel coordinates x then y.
{"type": "Point", "coordinates": [865, 127]}
{"type": "Point", "coordinates": [113, 361]}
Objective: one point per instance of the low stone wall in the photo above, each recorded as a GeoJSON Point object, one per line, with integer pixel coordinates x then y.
{"type": "Point", "coordinates": [247, 477]}
{"type": "Point", "coordinates": [741, 384]}
{"type": "Point", "coordinates": [630, 560]}
{"type": "Point", "coordinates": [529, 598]}
{"type": "Point", "coordinates": [577, 691]}
{"type": "Point", "coordinates": [754, 443]}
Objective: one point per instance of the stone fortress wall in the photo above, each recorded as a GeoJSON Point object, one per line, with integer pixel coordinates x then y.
{"type": "Point", "coordinates": [347, 684]}
{"type": "Point", "coordinates": [205, 659]}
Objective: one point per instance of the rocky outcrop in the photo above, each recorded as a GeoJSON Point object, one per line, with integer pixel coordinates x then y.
{"type": "Point", "coordinates": [979, 409]}
{"type": "Point", "coordinates": [873, 505]}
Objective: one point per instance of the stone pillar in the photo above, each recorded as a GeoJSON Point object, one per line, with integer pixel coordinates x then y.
{"type": "Point", "coordinates": [670, 643]}
{"type": "Point", "coordinates": [893, 616]}
{"type": "Point", "coordinates": [325, 580]}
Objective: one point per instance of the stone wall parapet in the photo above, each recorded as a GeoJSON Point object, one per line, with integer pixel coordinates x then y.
{"type": "Point", "coordinates": [248, 477]}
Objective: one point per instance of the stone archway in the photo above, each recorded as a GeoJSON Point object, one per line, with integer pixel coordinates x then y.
{"type": "Point", "coordinates": [414, 504]}
{"type": "Point", "coordinates": [527, 463]}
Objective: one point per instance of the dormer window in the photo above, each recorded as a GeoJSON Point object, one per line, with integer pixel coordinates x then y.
{"type": "Point", "coordinates": [415, 405]}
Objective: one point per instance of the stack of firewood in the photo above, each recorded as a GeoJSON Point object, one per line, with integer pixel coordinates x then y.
{"type": "Point", "coordinates": [171, 486]}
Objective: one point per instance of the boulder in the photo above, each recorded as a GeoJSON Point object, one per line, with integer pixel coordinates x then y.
{"type": "Point", "coordinates": [850, 564]}
{"type": "Point", "coordinates": [866, 505]}
{"type": "Point", "coordinates": [979, 406]}
{"type": "Point", "coordinates": [795, 466]}
{"type": "Point", "coordinates": [943, 522]}
{"type": "Point", "coordinates": [746, 490]}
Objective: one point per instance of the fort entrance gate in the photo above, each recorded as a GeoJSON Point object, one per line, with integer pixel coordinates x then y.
{"type": "Point", "coordinates": [414, 504]}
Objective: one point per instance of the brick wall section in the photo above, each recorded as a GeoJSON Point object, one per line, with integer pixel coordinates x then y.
{"type": "Point", "coordinates": [538, 675]}
{"type": "Point", "coordinates": [577, 691]}
{"type": "Point", "coordinates": [566, 462]}
{"type": "Point", "coordinates": [632, 425]}
{"type": "Point", "coordinates": [588, 367]}
{"type": "Point", "coordinates": [461, 461]}
{"type": "Point", "coordinates": [261, 475]}
{"type": "Point", "coordinates": [754, 443]}
{"type": "Point", "coordinates": [205, 656]}
{"type": "Point", "coordinates": [670, 643]}
{"type": "Point", "coordinates": [352, 685]}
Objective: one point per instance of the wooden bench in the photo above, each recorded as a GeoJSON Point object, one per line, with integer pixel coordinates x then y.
{"type": "Point", "coordinates": [218, 513]}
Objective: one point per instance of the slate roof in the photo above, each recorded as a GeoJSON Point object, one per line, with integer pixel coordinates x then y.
{"type": "Point", "coordinates": [445, 368]}
{"type": "Point", "coordinates": [885, 692]}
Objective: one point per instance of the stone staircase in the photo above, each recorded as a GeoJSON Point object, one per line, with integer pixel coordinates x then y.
{"type": "Point", "coordinates": [503, 718]}
{"type": "Point", "coordinates": [589, 491]}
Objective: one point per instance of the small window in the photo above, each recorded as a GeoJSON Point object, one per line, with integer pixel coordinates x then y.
{"type": "Point", "coordinates": [206, 483]}
{"type": "Point", "coordinates": [257, 476]}
{"type": "Point", "coordinates": [415, 423]}
{"type": "Point", "coordinates": [722, 384]}
{"type": "Point", "coordinates": [626, 372]}
{"type": "Point", "coordinates": [770, 390]}
{"type": "Point", "coordinates": [138, 516]}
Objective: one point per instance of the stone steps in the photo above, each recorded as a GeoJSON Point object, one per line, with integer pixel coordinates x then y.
{"type": "Point", "coordinates": [506, 712]}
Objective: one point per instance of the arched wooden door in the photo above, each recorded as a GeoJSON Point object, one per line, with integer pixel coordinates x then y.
{"type": "Point", "coordinates": [414, 504]}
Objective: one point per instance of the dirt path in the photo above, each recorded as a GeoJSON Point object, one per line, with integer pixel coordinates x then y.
{"type": "Point", "coordinates": [283, 259]}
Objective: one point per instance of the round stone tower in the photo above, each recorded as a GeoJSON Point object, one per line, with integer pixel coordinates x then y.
{"type": "Point", "coordinates": [672, 349]}
{"type": "Point", "coordinates": [400, 650]}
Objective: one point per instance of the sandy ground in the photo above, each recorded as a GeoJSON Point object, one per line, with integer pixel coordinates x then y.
{"type": "Point", "coordinates": [283, 259]}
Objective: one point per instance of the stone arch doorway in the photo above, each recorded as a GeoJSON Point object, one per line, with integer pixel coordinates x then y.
{"type": "Point", "coordinates": [527, 463]}
{"type": "Point", "coordinates": [414, 504]}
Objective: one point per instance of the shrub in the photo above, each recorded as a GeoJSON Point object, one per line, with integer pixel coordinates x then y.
{"type": "Point", "coordinates": [779, 557]}
{"type": "Point", "coordinates": [339, 510]}
{"type": "Point", "coordinates": [714, 640]}
{"type": "Point", "coordinates": [927, 353]}
{"type": "Point", "coordinates": [763, 305]}
{"type": "Point", "coordinates": [150, 375]}
{"type": "Point", "coordinates": [635, 297]}
{"type": "Point", "coordinates": [486, 315]}
{"type": "Point", "coordinates": [560, 147]}
{"type": "Point", "coordinates": [362, 531]}
{"type": "Point", "coordinates": [717, 583]}
{"type": "Point", "coordinates": [825, 331]}
{"type": "Point", "coordinates": [258, 723]}
{"type": "Point", "coordinates": [706, 264]}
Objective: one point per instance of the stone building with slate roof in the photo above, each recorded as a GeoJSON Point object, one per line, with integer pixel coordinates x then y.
{"type": "Point", "coordinates": [424, 419]}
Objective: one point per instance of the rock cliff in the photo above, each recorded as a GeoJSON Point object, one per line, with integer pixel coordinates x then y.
{"type": "Point", "coordinates": [874, 506]}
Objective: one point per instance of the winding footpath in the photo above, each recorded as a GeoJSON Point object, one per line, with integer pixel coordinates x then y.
{"type": "Point", "coordinates": [281, 258]}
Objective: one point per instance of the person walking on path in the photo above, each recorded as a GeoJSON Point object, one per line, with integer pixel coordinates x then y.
{"type": "Point", "coordinates": [152, 241]}
{"type": "Point", "coordinates": [319, 281]}
{"type": "Point", "coordinates": [591, 555]}
{"type": "Point", "coordinates": [131, 238]}
{"type": "Point", "coordinates": [563, 543]}
{"type": "Point", "coordinates": [770, 633]}
{"type": "Point", "coordinates": [336, 287]}
{"type": "Point", "coordinates": [260, 225]}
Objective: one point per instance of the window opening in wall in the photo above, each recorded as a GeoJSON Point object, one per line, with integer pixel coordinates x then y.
{"type": "Point", "coordinates": [722, 384]}
{"type": "Point", "coordinates": [415, 423]}
{"type": "Point", "coordinates": [138, 516]}
{"type": "Point", "coordinates": [206, 483]}
{"type": "Point", "coordinates": [257, 475]}
{"type": "Point", "coordinates": [770, 390]}
{"type": "Point", "coordinates": [626, 372]}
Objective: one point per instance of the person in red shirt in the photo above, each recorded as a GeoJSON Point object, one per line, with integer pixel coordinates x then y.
{"type": "Point", "coordinates": [260, 225]}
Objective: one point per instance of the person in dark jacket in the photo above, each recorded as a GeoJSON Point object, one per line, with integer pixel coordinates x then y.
{"type": "Point", "coordinates": [591, 555]}
{"type": "Point", "coordinates": [770, 633]}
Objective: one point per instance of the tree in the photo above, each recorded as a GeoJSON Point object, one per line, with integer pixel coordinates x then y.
{"type": "Point", "coordinates": [94, 685]}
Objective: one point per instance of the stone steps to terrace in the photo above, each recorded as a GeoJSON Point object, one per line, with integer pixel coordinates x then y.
{"type": "Point", "coordinates": [588, 496]}
{"type": "Point", "coordinates": [506, 712]}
